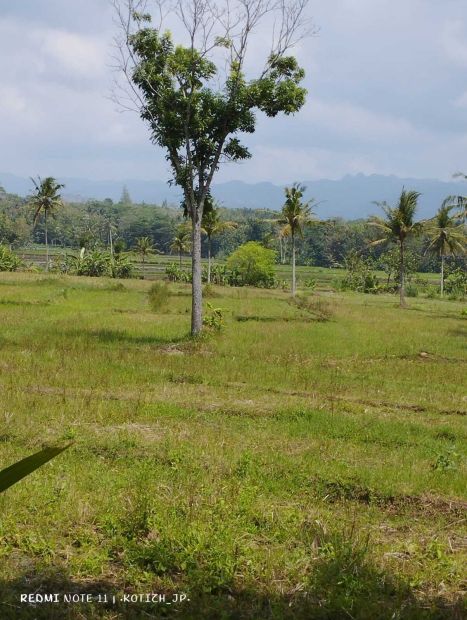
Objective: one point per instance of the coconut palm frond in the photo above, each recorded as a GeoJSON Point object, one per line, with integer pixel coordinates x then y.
{"type": "Point", "coordinates": [447, 237]}
{"type": "Point", "coordinates": [212, 224]}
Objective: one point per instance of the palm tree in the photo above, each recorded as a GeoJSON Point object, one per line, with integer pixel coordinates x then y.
{"type": "Point", "coordinates": [397, 227]}
{"type": "Point", "coordinates": [447, 236]}
{"type": "Point", "coordinates": [295, 216]}
{"type": "Point", "coordinates": [46, 199]}
{"type": "Point", "coordinates": [213, 225]}
{"type": "Point", "coordinates": [144, 248]}
{"type": "Point", "coordinates": [181, 242]}
{"type": "Point", "coordinates": [282, 237]}
{"type": "Point", "coordinates": [459, 203]}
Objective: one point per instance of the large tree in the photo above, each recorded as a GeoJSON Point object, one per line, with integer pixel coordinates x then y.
{"type": "Point", "coordinates": [197, 96]}
{"type": "Point", "coordinates": [446, 234]}
{"type": "Point", "coordinates": [46, 199]}
{"type": "Point", "coordinates": [296, 214]}
{"type": "Point", "coordinates": [397, 227]}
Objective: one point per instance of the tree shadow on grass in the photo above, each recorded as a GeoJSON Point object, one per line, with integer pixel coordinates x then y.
{"type": "Point", "coordinates": [114, 336]}
{"type": "Point", "coordinates": [329, 596]}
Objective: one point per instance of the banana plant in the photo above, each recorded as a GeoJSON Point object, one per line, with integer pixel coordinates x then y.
{"type": "Point", "coordinates": [13, 474]}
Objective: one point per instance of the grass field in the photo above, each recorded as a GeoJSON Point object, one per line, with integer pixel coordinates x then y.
{"type": "Point", "coordinates": [305, 462]}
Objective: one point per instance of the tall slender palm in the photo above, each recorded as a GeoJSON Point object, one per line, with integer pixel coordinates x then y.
{"type": "Point", "coordinates": [447, 236]}
{"type": "Point", "coordinates": [397, 227]}
{"type": "Point", "coordinates": [45, 199]}
{"type": "Point", "coordinates": [181, 243]}
{"type": "Point", "coordinates": [145, 248]}
{"type": "Point", "coordinates": [296, 215]}
{"type": "Point", "coordinates": [212, 225]}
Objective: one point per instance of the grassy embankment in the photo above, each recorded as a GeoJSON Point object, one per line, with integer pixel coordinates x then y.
{"type": "Point", "coordinates": [286, 467]}
{"type": "Point", "coordinates": [155, 266]}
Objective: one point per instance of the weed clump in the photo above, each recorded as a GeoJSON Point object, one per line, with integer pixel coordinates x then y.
{"type": "Point", "coordinates": [210, 292]}
{"type": "Point", "coordinates": [318, 307]}
{"type": "Point", "coordinates": [214, 318]}
{"type": "Point", "coordinates": [158, 296]}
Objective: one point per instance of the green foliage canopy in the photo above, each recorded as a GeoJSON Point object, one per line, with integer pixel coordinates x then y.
{"type": "Point", "coordinates": [253, 264]}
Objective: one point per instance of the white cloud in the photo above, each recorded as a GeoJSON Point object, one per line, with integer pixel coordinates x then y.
{"type": "Point", "coordinates": [82, 55]}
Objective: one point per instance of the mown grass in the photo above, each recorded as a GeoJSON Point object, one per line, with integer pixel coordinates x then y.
{"type": "Point", "coordinates": [292, 467]}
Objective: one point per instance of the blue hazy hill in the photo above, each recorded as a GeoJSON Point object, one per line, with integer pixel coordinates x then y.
{"type": "Point", "coordinates": [351, 197]}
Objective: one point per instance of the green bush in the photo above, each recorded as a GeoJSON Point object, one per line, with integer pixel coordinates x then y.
{"type": "Point", "coordinates": [94, 264]}
{"type": "Point", "coordinates": [177, 274]}
{"type": "Point", "coordinates": [158, 295]}
{"type": "Point", "coordinates": [432, 292]}
{"type": "Point", "coordinates": [219, 275]}
{"type": "Point", "coordinates": [411, 290]}
{"type": "Point", "coordinates": [214, 318]}
{"type": "Point", "coordinates": [252, 264]}
{"type": "Point", "coordinates": [310, 284]}
{"type": "Point", "coordinates": [8, 259]}
{"type": "Point", "coordinates": [121, 266]}
{"type": "Point", "coordinates": [455, 284]}
{"type": "Point", "coordinates": [359, 276]}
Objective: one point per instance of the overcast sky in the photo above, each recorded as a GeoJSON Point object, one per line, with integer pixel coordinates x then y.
{"type": "Point", "coordinates": [387, 82]}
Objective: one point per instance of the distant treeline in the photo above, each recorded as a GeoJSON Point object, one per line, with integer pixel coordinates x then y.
{"type": "Point", "coordinates": [326, 243]}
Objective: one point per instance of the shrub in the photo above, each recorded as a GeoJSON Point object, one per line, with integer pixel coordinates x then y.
{"type": "Point", "coordinates": [359, 276]}
{"type": "Point", "coordinates": [411, 290]}
{"type": "Point", "coordinates": [121, 266]}
{"type": "Point", "coordinates": [158, 295]}
{"type": "Point", "coordinates": [214, 318]}
{"type": "Point", "coordinates": [446, 460]}
{"type": "Point", "coordinates": [8, 259]}
{"type": "Point", "coordinates": [177, 274]}
{"type": "Point", "coordinates": [455, 284]}
{"type": "Point", "coordinates": [219, 274]}
{"type": "Point", "coordinates": [389, 262]}
{"type": "Point", "coordinates": [94, 264]}
{"type": "Point", "coordinates": [252, 264]}
{"type": "Point", "coordinates": [62, 263]}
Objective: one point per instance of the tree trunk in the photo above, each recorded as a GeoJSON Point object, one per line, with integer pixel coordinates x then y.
{"type": "Point", "coordinates": [402, 278]}
{"type": "Point", "coordinates": [46, 243]}
{"type": "Point", "coordinates": [293, 266]}
{"type": "Point", "coordinates": [180, 258]}
{"type": "Point", "coordinates": [144, 266]}
{"type": "Point", "coordinates": [209, 260]}
{"type": "Point", "coordinates": [196, 286]}
{"type": "Point", "coordinates": [442, 275]}
{"type": "Point", "coordinates": [111, 243]}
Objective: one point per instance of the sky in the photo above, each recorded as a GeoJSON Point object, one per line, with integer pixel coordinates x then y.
{"type": "Point", "coordinates": [386, 80]}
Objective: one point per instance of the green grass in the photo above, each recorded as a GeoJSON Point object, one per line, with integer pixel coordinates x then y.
{"type": "Point", "coordinates": [287, 467]}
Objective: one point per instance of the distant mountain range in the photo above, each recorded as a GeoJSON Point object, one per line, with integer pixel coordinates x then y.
{"type": "Point", "coordinates": [351, 197]}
